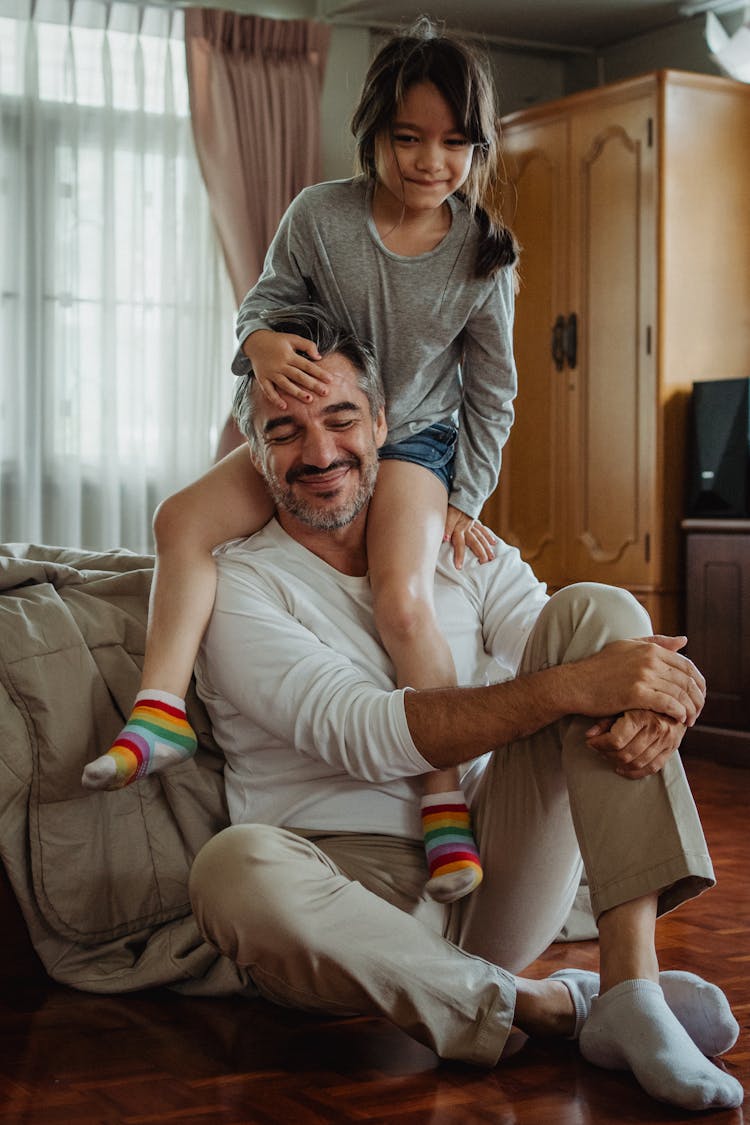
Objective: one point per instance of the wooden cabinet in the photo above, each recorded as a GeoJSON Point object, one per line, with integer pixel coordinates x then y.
{"type": "Point", "coordinates": [632, 207]}
{"type": "Point", "coordinates": [718, 629]}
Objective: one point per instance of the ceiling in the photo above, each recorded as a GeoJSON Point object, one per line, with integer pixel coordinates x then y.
{"type": "Point", "coordinates": [566, 24]}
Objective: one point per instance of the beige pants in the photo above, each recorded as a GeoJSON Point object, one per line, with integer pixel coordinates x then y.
{"type": "Point", "coordinates": [339, 923]}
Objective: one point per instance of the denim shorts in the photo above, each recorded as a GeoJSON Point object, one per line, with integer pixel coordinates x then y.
{"type": "Point", "coordinates": [433, 448]}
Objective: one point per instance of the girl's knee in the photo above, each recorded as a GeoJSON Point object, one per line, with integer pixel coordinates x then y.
{"type": "Point", "coordinates": [402, 612]}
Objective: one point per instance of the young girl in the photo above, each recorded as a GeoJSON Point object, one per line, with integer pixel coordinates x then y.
{"type": "Point", "coordinates": [405, 255]}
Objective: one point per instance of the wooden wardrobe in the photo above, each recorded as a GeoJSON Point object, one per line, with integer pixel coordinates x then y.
{"type": "Point", "coordinates": [632, 206]}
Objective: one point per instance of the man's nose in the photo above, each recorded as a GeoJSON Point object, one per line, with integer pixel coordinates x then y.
{"type": "Point", "coordinates": [319, 447]}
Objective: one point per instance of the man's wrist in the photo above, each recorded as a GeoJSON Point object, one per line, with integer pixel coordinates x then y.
{"type": "Point", "coordinates": [562, 684]}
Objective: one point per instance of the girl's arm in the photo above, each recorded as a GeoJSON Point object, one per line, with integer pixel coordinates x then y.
{"type": "Point", "coordinates": [485, 418]}
{"type": "Point", "coordinates": [283, 364]}
{"type": "Point", "coordinates": [489, 387]}
{"type": "Point", "coordinates": [285, 279]}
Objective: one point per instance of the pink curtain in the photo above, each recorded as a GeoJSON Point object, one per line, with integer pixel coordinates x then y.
{"type": "Point", "coordinates": [255, 89]}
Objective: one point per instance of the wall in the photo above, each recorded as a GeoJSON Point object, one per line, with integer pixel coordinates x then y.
{"type": "Point", "coordinates": [523, 78]}
{"type": "Point", "coordinates": [681, 46]}
{"type": "Point", "coordinates": [348, 59]}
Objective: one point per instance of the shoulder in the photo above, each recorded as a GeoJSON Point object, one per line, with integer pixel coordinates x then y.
{"type": "Point", "coordinates": [330, 195]}
{"type": "Point", "coordinates": [275, 565]}
{"type": "Point", "coordinates": [496, 296]}
{"type": "Point", "coordinates": [326, 211]}
{"type": "Point", "coordinates": [463, 227]}
{"type": "Point", "coordinates": [462, 245]}
{"type": "Point", "coordinates": [466, 231]}
{"type": "Point", "coordinates": [255, 561]}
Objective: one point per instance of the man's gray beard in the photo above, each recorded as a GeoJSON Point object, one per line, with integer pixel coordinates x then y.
{"type": "Point", "coordinates": [324, 519]}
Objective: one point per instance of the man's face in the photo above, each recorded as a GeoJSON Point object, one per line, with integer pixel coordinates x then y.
{"type": "Point", "coordinates": [320, 459]}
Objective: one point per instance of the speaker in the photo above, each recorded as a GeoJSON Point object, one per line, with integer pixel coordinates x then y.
{"type": "Point", "coordinates": [719, 450]}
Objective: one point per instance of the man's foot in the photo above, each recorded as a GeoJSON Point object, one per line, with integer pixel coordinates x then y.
{"type": "Point", "coordinates": [452, 854]}
{"type": "Point", "coordinates": [701, 1007]}
{"type": "Point", "coordinates": [156, 735]}
{"type": "Point", "coordinates": [632, 1028]}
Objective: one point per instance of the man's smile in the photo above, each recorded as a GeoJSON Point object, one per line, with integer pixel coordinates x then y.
{"type": "Point", "coordinates": [322, 480]}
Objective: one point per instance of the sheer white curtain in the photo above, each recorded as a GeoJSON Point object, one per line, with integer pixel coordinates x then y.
{"type": "Point", "coordinates": [116, 315]}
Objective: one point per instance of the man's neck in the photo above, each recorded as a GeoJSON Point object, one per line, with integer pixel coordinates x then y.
{"type": "Point", "coordinates": [345, 549]}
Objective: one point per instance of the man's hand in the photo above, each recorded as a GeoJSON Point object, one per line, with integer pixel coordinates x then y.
{"type": "Point", "coordinates": [285, 364]}
{"type": "Point", "coordinates": [462, 531]}
{"type": "Point", "coordinates": [645, 674]}
{"type": "Point", "coordinates": [637, 743]}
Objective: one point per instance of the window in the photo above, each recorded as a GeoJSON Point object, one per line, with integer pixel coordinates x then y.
{"type": "Point", "coordinates": [116, 315]}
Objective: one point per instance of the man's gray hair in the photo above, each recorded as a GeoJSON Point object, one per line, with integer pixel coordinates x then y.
{"type": "Point", "coordinates": [314, 323]}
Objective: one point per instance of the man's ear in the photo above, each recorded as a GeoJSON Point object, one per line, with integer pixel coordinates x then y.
{"type": "Point", "coordinates": [380, 428]}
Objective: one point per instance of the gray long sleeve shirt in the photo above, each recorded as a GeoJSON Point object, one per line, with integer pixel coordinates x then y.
{"type": "Point", "coordinates": [443, 337]}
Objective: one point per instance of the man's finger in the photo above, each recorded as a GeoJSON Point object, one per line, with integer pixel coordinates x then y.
{"type": "Point", "coordinates": [686, 665]}
{"type": "Point", "coordinates": [674, 644]}
{"type": "Point", "coordinates": [667, 699]}
{"type": "Point", "coordinates": [636, 773]}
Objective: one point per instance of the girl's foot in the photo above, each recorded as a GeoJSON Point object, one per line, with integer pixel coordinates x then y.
{"type": "Point", "coordinates": [452, 854]}
{"type": "Point", "coordinates": [156, 735]}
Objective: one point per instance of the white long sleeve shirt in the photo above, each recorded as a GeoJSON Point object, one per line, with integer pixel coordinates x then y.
{"type": "Point", "coordinates": [301, 692]}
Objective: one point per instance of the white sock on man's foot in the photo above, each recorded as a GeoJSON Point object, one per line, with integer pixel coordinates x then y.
{"type": "Point", "coordinates": [701, 1007]}
{"type": "Point", "coordinates": [632, 1028]}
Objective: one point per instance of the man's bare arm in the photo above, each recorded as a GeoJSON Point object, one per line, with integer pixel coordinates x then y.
{"type": "Point", "coordinates": [645, 674]}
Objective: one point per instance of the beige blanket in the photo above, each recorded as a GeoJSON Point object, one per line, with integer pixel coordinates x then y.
{"type": "Point", "coordinates": [101, 877]}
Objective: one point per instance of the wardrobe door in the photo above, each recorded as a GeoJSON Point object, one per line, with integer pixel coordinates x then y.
{"type": "Point", "coordinates": [529, 504]}
{"type": "Point", "coordinates": [612, 426]}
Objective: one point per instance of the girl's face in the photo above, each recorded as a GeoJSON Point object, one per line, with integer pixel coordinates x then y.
{"type": "Point", "coordinates": [424, 156]}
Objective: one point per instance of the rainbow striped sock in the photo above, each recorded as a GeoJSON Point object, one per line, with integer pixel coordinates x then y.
{"type": "Point", "coordinates": [156, 735]}
{"type": "Point", "coordinates": [452, 855]}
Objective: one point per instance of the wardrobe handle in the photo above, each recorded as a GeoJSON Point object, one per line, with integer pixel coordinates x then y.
{"type": "Point", "coordinates": [571, 340]}
{"type": "Point", "coordinates": [558, 343]}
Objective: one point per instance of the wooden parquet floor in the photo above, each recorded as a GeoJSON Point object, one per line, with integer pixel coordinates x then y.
{"type": "Point", "coordinates": [69, 1058]}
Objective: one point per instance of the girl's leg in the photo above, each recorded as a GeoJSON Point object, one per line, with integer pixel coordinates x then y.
{"type": "Point", "coordinates": [405, 528]}
{"type": "Point", "coordinates": [228, 501]}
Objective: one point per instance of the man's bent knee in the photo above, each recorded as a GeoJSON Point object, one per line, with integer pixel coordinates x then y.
{"type": "Point", "coordinates": [581, 619]}
{"type": "Point", "coordinates": [608, 612]}
{"type": "Point", "coordinates": [238, 892]}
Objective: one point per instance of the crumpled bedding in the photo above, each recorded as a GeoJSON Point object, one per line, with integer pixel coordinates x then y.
{"type": "Point", "coordinates": [101, 877]}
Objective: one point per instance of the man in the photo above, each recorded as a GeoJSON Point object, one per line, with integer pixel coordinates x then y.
{"type": "Point", "coordinates": [318, 885]}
